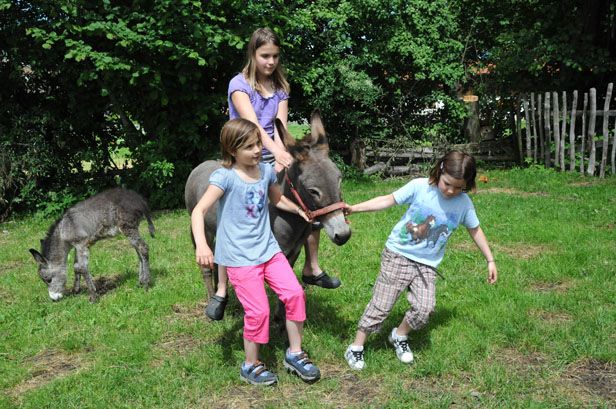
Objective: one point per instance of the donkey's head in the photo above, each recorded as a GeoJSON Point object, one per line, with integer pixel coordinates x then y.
{"type": "Point", "coordinates": [316, 177]}
{"type": "Point", "coordinates": [52, 273]}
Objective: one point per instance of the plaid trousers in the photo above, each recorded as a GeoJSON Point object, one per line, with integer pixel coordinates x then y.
{"type": "Point", "coordinates": [398, 273]}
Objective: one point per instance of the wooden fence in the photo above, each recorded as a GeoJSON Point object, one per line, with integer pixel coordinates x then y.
{"type": "Point", "coordinates": [566, 136]}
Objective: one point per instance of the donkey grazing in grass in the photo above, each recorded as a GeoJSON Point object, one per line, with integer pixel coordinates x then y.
{"type": "Point", "coordinates": [313, 176]}
{"type": "Point", "coordinates": [101, 216]}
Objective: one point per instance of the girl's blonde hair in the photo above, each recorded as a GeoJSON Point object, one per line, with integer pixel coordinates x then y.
{"type": "Point", "coordinates": [458, 165]}
{"type": "Point", "coordinates": [234, 135]}
{"type": "Point", "coordinates": [260, 37]}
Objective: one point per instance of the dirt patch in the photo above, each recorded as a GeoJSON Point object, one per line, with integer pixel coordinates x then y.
{"type": "Point", "coordinates": [6, 297]}
{"type": "Point", "coordinates": [550, 317]}
{"type": "Point", "coordinates": [351, 391]}
{"type": "Point", "coordinates": [518, 251]}
{"type": "Point", "coordinates": [104, 284]}
{"type": "Point", "coordinates": [175, 345]}
{"type": "Point", "coordinates": [9, 265]}
{"type": "Point", "coordinates": [596, 378]}
{"type": "Point", "coordinates": [190, 313]}
{"type": "Point", "coordinates": [584, 183]}
{"type": "Point", "coordinates": [559, 287]}
{"type": "Point", "coordinates": [46, 367]}
{"type": "Point", "coordinates": [519, 361]}
{"type": "Point", "coordinates": [510, 191]}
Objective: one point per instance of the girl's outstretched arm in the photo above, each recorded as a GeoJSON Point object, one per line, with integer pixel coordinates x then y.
{"type": "Point", "coordinates": [372, 205]}
{"type": "Point", "coordinates": [482, 242]}
{"type": "Point", "coordinates": [203, 253]}
{"type": "Point", "coordinates": [283, 203]}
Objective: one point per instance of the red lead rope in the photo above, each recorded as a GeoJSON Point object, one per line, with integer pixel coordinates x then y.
{"type": "Point", "coordinates": [310, 213]}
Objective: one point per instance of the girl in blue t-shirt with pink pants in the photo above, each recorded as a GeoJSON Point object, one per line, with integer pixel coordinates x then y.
{"type": "Point", "coordinates": [246, 245]}
{"type": "Point", "coordinates": [436, 207]}
{"type": "Point", "coordinates": [260, 93]}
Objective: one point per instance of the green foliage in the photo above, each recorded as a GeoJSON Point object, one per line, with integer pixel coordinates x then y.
{"type": "Point", "coordinates": [84, 79]}
{"type": "Point", "coordinates": [373, 67]}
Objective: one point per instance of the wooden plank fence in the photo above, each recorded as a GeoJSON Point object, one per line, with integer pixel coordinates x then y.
{"type": "Point", "coordinates": [575, 147]}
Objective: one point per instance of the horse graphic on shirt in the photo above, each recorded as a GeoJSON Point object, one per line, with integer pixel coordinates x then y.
{"type": "Point", "coordinates": [420, 231]}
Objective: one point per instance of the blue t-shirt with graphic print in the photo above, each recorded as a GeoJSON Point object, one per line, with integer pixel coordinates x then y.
{"type": "Point", "coordinates": [244, 236]}
{"type": "Point", "coordinates": [429, 221]}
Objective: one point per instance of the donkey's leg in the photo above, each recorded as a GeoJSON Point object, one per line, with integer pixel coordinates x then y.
{"type": "Point", "coordinates": [142, 250]}
{"type": "Point", "coordinates": [208, 278]}
{"type": "Point", "coordinates": [82, 254]}
{"type": "Point", "coordinates": [76, 270]}
{"type": "Point", "coordinates": [77, 281]}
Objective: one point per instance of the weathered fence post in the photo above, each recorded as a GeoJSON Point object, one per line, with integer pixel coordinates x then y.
{"type": "Point", "coordinates": [563, 133]}
{"type": "Point", "coordinates": [535, 134]}
{"type": "Point", "coordinates": [556, 113]}
{"type": "Point", "coordinates": [527, 118]}
{"type": "Point", "coordinates": [583, 133]}
{"type": "Point", "coordinates": [547, 159]}
{"type": "Point", "coordinates": [518, 130]}
{"type": "Point", "coordinates": [591, 132]}
{"type": "Point", "coordinates": [572, 132]}
{"type": "Point", "coordinates": [606, 133]}
{"type": "Point", "coordinates": [541, 127]}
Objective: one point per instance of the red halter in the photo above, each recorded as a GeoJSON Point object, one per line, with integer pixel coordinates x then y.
{"type": "Point", "coordinates": [313, 213]}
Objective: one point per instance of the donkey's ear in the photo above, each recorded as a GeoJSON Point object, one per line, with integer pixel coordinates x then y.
{"type": "Point", "coordinates": [317, 130]}
{"type": "Point", "coordinates": [38, 257]}
{"type": "Point", "coordinates": [285, 136]}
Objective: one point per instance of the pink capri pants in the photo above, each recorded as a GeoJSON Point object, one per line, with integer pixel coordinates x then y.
{"type": "Point", "coordinates": [249, 284]}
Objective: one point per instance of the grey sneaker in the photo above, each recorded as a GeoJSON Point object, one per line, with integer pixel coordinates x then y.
{"type": "Point", "coordinates": [401, 343]}
{"type": "Point", "coordinates": [302, 366]}
{"type": "Point", "coordinates": [257, 374]}
{"type": "Point", "coordinates": [355, 358]}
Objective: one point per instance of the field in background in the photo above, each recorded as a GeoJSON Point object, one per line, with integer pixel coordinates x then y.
{"type": "Point", "coordinates": [543, 336]}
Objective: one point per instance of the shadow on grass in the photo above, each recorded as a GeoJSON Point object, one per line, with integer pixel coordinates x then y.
{"type": "Point", "coordinates": [418, 340]}
{"type": "Point", "coordinates": [321, 316]}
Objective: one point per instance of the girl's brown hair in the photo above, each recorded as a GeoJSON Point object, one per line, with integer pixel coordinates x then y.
{"type": "Point", "coordinates": [260, 37]}
{"type": "Point", "coordinates": [458, 165]}
{"type": "Point", "coordinates": [235, 134]}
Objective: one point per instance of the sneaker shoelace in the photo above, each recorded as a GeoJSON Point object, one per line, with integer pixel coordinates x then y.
{"type": "Point", "coordinates": [357, 355]}
{"type": "Point", "coordinates": [404, 345]}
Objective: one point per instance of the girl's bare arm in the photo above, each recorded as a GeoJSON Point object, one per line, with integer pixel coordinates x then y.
{"type": "Point", "coordinates": [203, 253]}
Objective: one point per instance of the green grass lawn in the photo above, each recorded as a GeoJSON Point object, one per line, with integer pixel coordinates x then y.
{"type": "Point", "coordinates": [544, 336]}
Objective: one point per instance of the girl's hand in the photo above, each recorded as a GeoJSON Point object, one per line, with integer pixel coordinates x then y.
{"type": "Point", "coordinates": [492, 273]}
{"type": "Point", "coordinates": [347, 209]}
{"type": "Point", "coordinates": [303, 215]}
{"type": "Point", "coordinates": [205, 257]}
{"type": "Point", "coordinates": [283, 158]}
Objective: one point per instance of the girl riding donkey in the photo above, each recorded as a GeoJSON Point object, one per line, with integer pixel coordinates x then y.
{"type": "Point", "coordinates": [246, 245]}
{"type": "Point", "coordinates": [260, 93]}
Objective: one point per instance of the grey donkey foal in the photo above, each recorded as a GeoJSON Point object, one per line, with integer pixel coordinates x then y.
{"type": "Point", "coordinates": [101, 216]}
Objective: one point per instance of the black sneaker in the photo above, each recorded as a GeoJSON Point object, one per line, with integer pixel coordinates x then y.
{"type": "Point", "coordinates": [215, 309]}
{"type": "Point", "coordinates": [323, 280]}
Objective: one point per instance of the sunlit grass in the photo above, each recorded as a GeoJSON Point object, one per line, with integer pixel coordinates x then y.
{"type": "Point", "coordinates": [543, 336]}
